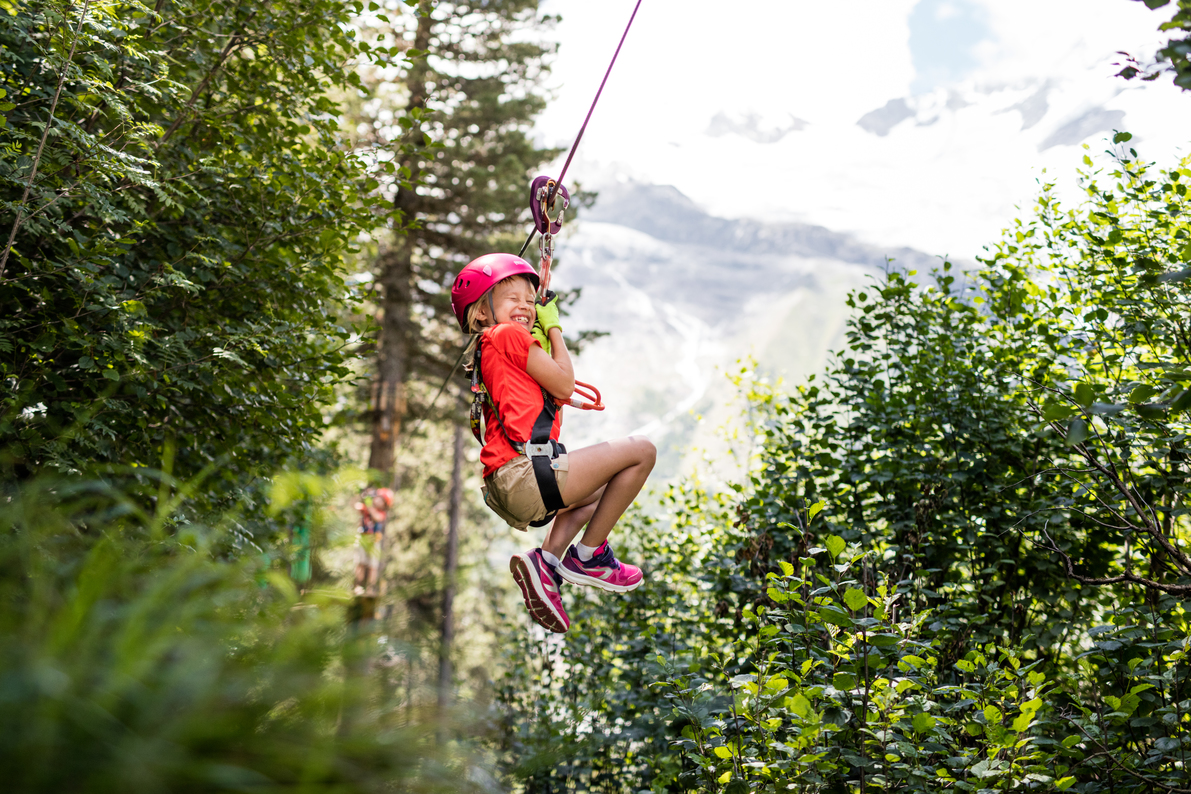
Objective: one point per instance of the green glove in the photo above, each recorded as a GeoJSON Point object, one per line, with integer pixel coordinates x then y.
{"type": "Point", "coordinates": [547, 319]}
{"type": "Point", "coordinates": [548, 314]}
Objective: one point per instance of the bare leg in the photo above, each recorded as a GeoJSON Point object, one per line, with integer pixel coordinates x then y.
{"type": "Point", "coordinates": [568, 522]}
{"type": "Point", "coordinates": [618, 469]}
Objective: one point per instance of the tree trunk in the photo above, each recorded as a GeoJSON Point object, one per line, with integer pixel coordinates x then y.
{"type": "Point", "coordinates": [395, 277]}
{"type": "Point", "coordinates": [392, 367]}
{"type": "Point", "coordinates": [449, 568]}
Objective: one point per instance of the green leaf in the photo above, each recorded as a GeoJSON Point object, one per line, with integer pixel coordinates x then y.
{"type": "Point", "coordinates": [1175, 277]}
{"type": "Point", "coordinates": [1142, 393]}
{"type": "Point", "coordinates": [1150, 411]}
{"type": "Point", "coordinates": [1182, 402]}
{"type": "Point", "coordinates": [1084, 394]}
{"type": "Point", "coordinates": [884, 639]}
{"type": "Point", "coordinates": [722, 752]}
{"type": "Point", "coordinates": [1062, 784]}
{"type": "Point", "coordinates": [923, 723]}
{"type": "Point", "coordinates": [814, 511]}
{"type": "Point", "coordinates": [1123, 137]}
{"type": "Point", "coordinates": [786, 567]}
{"type": "Point", "coordinates": [835, 616]}
{"type": "Point", "coordinates": [843, 681]}
{"type": "Point", "coordinates": [1077, 432]}
{"type": "Point", "coordinates": [835, 545]}
{"type": "Point", "coordinates": [855, 599]}
{"type": "Point", "coordinates": [800, 706]}
{"type": "Point", "coordinates": [1057, 411]}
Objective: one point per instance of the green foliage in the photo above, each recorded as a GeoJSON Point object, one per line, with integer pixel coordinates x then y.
{"type": "Point", "coordinates": [134, 660]}
{"type": "Point", "coordinates": [1090, 307]}
{"type": "Point", "coordinates": [919, 441]}
{"type": "Point", "coordinates": [172, 289]}
{"type": "Point", "coordinates": [857, 696]}
{"type": "Point", "coordinates": [844, 690]}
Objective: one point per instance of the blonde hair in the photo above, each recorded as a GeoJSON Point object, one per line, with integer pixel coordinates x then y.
{"type": "Point", "coordinates": [472, 314]}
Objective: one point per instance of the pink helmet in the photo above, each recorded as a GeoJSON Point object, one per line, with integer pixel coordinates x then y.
{"type": "Point", "coordinates": [479, 275]}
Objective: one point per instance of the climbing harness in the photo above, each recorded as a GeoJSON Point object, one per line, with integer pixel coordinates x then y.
{"type": "Point", "coordinates": [541, 449]}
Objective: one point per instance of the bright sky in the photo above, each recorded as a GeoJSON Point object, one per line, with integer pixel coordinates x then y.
{"type": "Point", "coordinates": [753, 108]}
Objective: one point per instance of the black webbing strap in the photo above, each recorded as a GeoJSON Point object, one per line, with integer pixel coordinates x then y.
{"type": "Point", "coordinates": [542, 469]}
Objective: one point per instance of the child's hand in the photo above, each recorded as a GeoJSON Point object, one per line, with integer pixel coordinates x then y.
{"type": "Point", "coordinates": [548, 315]}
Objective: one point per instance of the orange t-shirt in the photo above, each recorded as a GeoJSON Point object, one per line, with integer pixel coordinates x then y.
{"type": "Point", "coordinates": [504, 351]}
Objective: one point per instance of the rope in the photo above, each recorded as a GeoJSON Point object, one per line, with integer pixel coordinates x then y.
{"type": "Point", "coordinates": [579, 137]}
{"type": "Point", "coordinates": [396, 485]}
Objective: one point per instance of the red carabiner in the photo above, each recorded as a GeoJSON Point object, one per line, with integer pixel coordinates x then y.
{"type": "Point", "coordinates": [587, 397]}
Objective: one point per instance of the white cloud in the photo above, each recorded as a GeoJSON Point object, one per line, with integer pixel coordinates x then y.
{"type": "Point", "coordinates": [945, 179]}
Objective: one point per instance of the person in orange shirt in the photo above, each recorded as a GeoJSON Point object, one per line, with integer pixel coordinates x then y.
{"type": "Point", "coordinates": [522, 375]}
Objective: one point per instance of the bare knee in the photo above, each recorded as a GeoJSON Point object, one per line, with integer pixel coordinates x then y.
{"type": "Point", "coordinates": [647, 453]}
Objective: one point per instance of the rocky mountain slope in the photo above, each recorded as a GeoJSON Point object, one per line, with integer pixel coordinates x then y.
{"type": "Point", "coordinates": [685, 296]}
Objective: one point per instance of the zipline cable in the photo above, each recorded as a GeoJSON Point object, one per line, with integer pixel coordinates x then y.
{"type": "Point", "coordinates": [579, 137]}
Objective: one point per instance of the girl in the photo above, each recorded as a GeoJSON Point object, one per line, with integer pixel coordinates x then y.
{"type": "Point", "coordinates": [522, 374]}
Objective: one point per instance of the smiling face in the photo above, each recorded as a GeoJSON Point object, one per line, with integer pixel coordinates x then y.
{"type": "Point", "coordinates": [513, 300]}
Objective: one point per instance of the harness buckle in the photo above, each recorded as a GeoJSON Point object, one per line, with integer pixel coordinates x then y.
{"type": "Point", "coordinates": [539, 450]}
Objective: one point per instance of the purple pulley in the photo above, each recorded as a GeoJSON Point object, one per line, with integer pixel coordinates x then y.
{"type": "Point", "coordinates": [539, 189]}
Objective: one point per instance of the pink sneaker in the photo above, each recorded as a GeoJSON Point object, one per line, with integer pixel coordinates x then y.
{"type": "Point", "coordinates": [603, 570]}
{"type": "Point", "coordinates": [539, 585]}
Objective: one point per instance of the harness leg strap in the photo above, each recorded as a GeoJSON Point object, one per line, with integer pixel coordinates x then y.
{"type": "Point", "coordinates": [547, 484]}
{"type": "Point", "coordinates": [541, 442]}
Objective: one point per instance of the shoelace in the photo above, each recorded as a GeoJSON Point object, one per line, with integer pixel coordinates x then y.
{"type": "Point", "coordinates": [606, 558]}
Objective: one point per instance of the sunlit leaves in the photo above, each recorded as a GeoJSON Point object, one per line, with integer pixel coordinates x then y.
{"type": "Point", "coordinates": [177, 274]}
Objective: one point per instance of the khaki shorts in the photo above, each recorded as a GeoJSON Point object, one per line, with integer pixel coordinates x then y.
{"type": "Point", "coordinates": [512, 491]}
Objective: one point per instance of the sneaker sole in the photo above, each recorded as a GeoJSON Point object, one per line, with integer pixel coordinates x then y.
{"type": "Point", "coordinates": [591, 581]}
{"type": "Point", "coordinates": [536, 602]}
